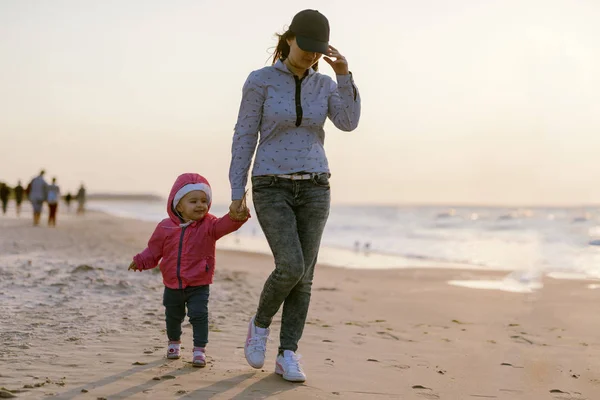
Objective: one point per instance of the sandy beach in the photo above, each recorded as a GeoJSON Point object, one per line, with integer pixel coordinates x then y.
{"type": "Point", "coordinates": [75, 324]}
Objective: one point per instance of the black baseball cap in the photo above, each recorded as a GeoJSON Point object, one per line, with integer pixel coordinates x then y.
{"type": "Point", "coordinates": [312, 31]}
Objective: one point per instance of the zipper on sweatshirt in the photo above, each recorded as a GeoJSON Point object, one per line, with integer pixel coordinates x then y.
{"type": "Point", "coordinates": [179, 257]}
{"type": "Point", "coordinates": [299, 110]}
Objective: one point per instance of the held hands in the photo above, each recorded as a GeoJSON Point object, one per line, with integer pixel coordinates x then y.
{"type": "Point", "coordinates": [238, 211]}
{"type": "Point", "coordinates": [340, 64]}
{"type": "Point", "coordinates": [133, 266]}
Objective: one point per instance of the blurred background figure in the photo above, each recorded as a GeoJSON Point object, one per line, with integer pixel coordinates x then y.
{"type": "Point", "coordinates": [367, 247]}
{"type": "Point", "coordinates": [53, 198]}
{"type": "Point", "coordinates": [37, 193]}
{"type": "Point", "coordinates": [81, 200]}
{"type": "Point", "coordinates": [68, 199]}
{"type": "Point", "coordinates": [19, 191]}
{"type": "Point", "coordinates": [4, 192]}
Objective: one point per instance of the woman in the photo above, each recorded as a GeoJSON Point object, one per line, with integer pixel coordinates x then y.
{"type": "Point", "coordinates": [52, 198]}
{"type": "Point", "coordinates": [287, 104]}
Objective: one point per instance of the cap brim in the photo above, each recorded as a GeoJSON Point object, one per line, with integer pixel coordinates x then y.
{"type": "Point", "coordinates": [312, 45]}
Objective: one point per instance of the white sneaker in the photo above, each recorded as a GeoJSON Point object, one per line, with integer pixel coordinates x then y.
{"type": "Point", "coordinates": [288, 366]}
{"type": "Point", "coordinates": [256, 345]}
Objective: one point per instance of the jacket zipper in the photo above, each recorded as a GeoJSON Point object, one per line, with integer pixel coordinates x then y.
{"type": "Point", "coordinates": [299, 111]}
{"type": "Point", "coordinates": [179, 257]}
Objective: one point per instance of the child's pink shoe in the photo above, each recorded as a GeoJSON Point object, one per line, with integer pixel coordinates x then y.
{"type": "Point", "coordinates": [199, 359]}
{"type": "Point", "coordinates": [174, 350]}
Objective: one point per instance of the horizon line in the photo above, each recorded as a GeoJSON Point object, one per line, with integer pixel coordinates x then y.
{"type": "Point", "coordinates": [449, 204]}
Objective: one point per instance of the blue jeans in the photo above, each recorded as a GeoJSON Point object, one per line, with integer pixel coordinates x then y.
{"type": "Point", "coordinates": [292, 214]}
{"type": "Point", "coordinates": [196, 300]}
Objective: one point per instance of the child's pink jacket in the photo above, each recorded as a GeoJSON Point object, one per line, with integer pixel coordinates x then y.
{"type": "Point", "coordinates": [187, 252]}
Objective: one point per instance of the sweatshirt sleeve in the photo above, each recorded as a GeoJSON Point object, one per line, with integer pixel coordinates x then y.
{"type": "Point", "coordinates": [344, 103]}
{"type": "Point", "coordinates": [152, 254]}
{"type": "Point", "coordinates": [245, 135]}
{"type": "Point", "coordinates": [225, 225]}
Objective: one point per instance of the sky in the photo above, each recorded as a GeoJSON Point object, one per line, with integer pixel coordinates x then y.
{"type": "Point", "coordinates": [463, 102]}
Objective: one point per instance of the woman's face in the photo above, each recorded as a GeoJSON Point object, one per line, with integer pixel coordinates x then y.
{"type": "Point", "coordinates": [300, 58]}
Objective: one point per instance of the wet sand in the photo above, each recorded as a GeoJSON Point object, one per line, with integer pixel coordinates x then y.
{"type": "Point", "coordinates": [75, 324]}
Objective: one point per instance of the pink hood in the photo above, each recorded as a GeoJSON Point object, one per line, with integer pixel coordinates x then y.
{"type": "Point", "coordinates": [181, 181]}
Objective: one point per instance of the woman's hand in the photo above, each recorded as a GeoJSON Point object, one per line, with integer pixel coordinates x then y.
{"type": "Point", "coordinates": [133, 266]}
{"type": "Point", "coordinates": [340, 64]}
{"type": "Point", "coordinates": [235, 206]}
{"type": "Point", "coordinates": [238, 211]}
{"type": "Point", "coordinates": [241, 213]}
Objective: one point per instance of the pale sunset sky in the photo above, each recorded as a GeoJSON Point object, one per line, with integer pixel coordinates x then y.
{"type": "Point", "coordinates": [464, 101]}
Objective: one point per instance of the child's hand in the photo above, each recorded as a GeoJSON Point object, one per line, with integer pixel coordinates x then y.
{"type": "Point", "coordinates": [238, 211]}
{"type": "Point", "coordinates": [133, 266]}
{"type": "Point", "coordinates": [241, 214]}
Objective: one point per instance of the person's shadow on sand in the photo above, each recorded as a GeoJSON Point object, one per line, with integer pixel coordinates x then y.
{"type": "Point", "coordinates": [107, 380]}
{"type": "Point", "coordinates": [266, 387]}
{"type": "Point", "coordinates": [144, 387]}
{"type": "Point", "coordinates": [262, 389]}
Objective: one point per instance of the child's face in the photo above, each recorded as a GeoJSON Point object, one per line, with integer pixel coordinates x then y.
{"type": "Point", "coordinates": [193, 206]}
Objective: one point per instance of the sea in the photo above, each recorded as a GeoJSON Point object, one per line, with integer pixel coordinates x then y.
{"type": "Point", "coordinates": [527, 243]}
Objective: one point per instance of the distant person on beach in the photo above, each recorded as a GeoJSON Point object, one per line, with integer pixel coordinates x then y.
{"type": "Point", "coordinates": [285, 106]}
{"type": "Point", "coordinates": [53, 199]}
{"type": "Point", "coordinates": [19, 192]}
{"type": "Point", "coordinates": [4, 193]}
{"type": "Point", "coordinates": [68, 199]}
{"type": "Point", "coordinates": [186, 244]}
{"type": "Point", "coordinates": [37, 191]}
{"type": "Point", "coordinates": [81, 199]}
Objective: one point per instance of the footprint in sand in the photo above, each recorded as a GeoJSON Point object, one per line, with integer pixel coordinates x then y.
{"type": "Point", "coordinates": [357, 323]}
{"type": "Point", "coordinates": [358, 340]}
{"type": "Point", "coordinates": [387, 335]}
{"type": "Point", "coordinates": [558, 394]}
{"type": "Point", "coordinates": [425, 392]}
{"type": "Point", "coordinates": [505, 364]}
{"type": "Point", "coordinates": [6, 394]}
{"type": "Point", "coordinates": [521, 339]}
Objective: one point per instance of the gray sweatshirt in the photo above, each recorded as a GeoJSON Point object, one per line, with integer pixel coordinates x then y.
{"type": "Point", "coordinates": [288, 114]}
